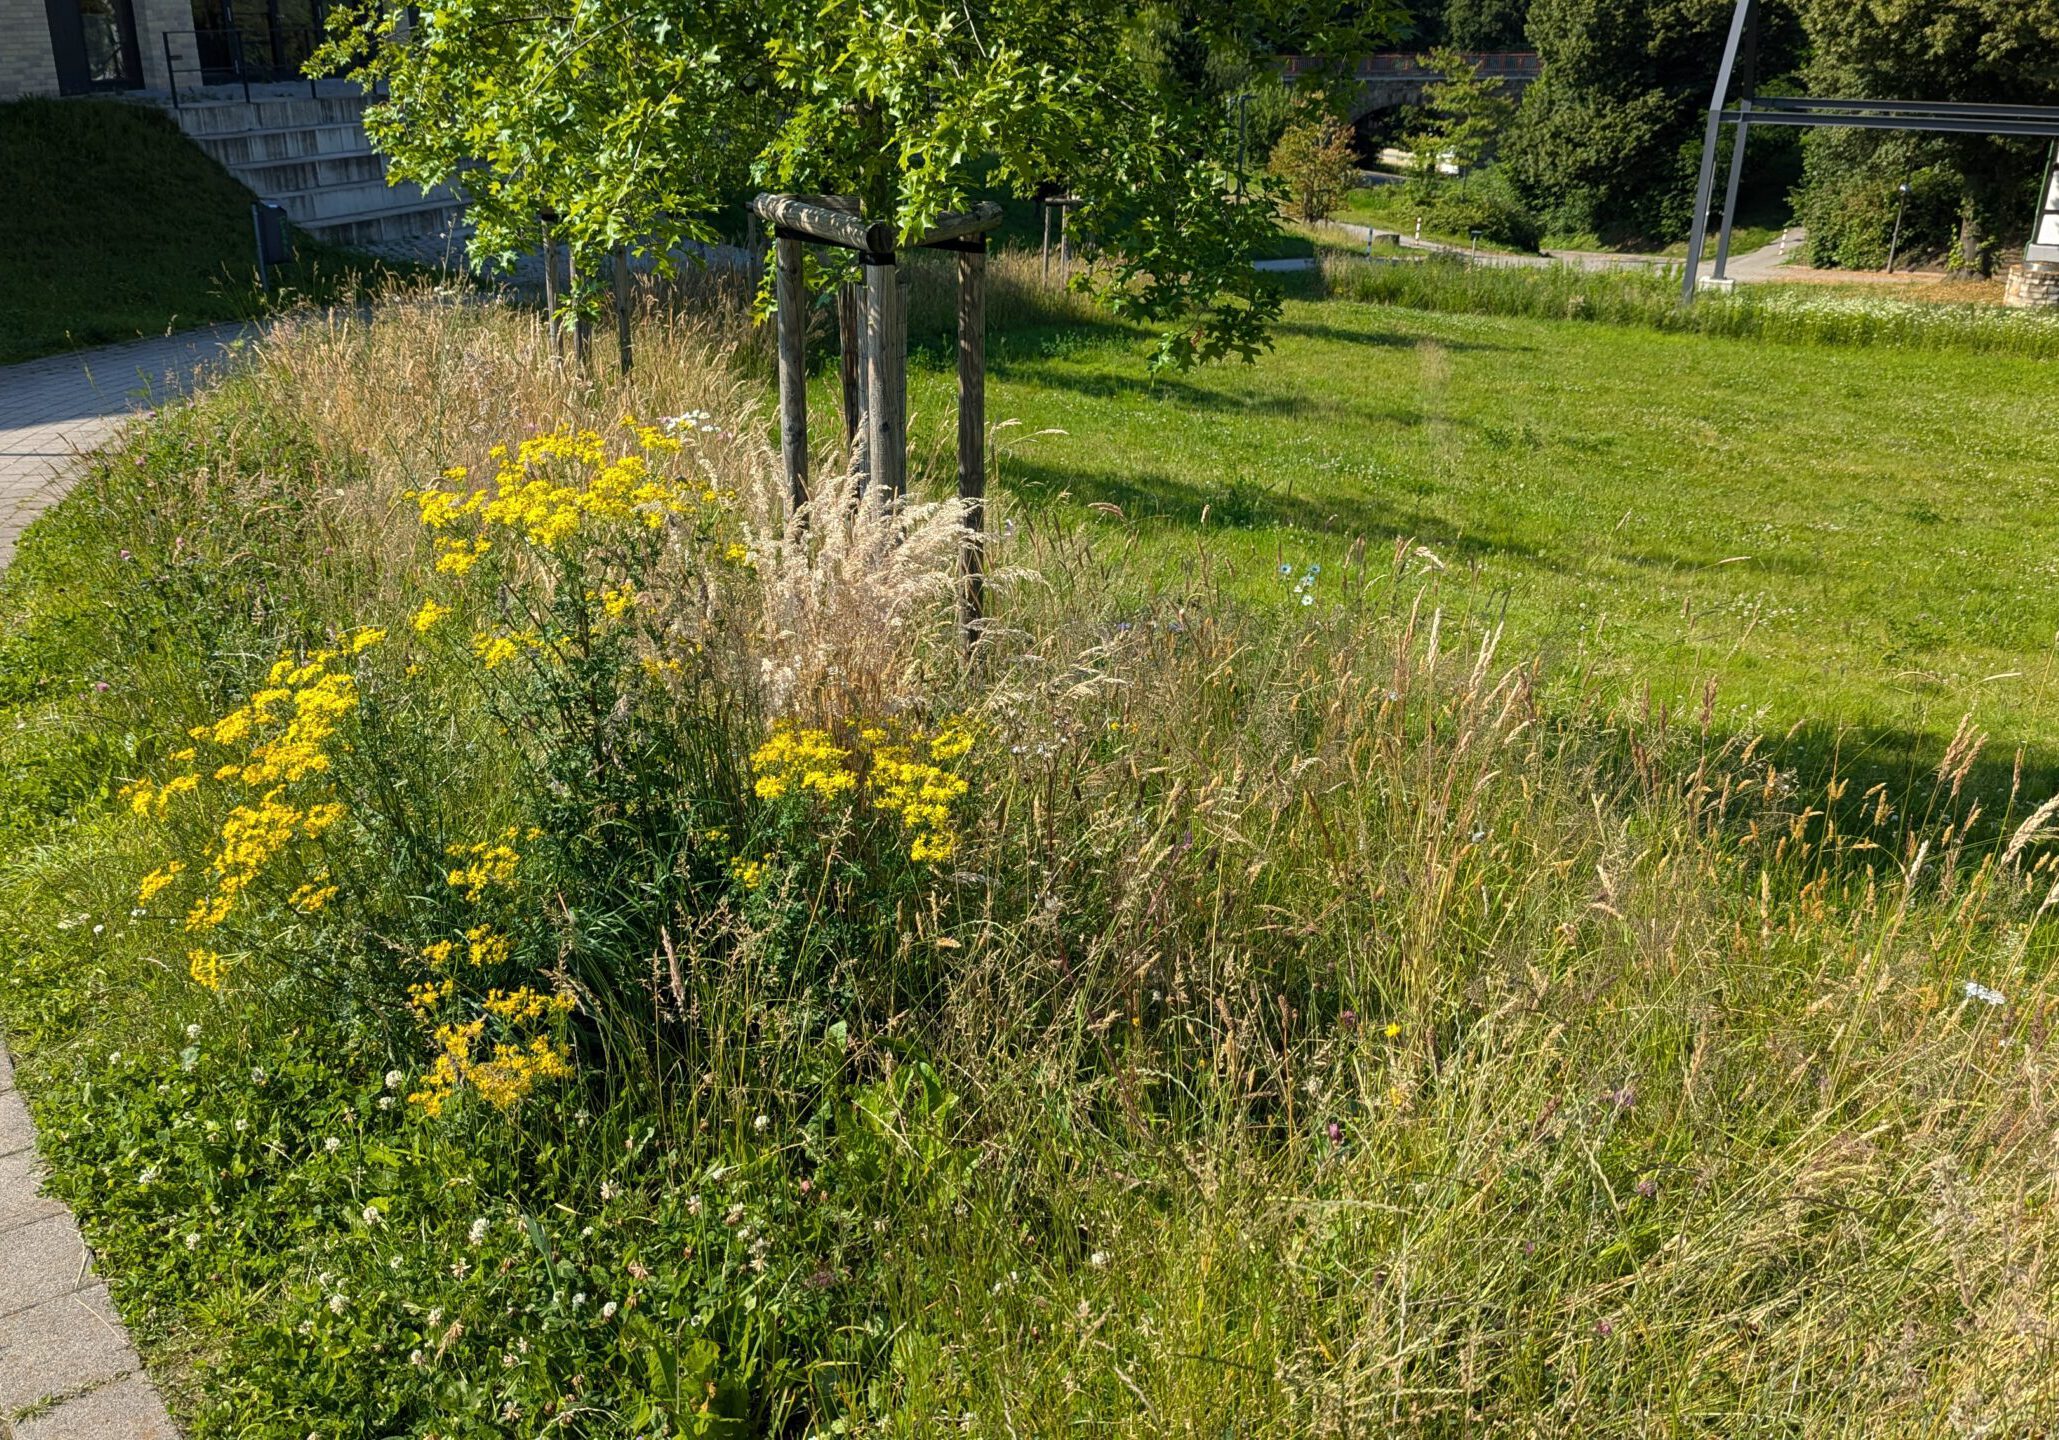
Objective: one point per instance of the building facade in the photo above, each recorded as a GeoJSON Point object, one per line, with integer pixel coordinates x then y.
{"type": "Point", "coordinates": [77, 47]}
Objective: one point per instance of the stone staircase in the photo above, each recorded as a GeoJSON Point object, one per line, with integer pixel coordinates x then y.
{"type": "Point", "coordinates": [310, 154]}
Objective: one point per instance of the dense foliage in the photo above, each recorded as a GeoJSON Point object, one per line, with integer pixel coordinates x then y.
{"type": "Point", "coordinates": [1967, 191]}
{"type": "Point", "coordinates": [645, 125]}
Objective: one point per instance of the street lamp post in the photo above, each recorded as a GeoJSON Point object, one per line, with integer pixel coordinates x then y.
{"type": "Point", "coordinates": [1895, 243]}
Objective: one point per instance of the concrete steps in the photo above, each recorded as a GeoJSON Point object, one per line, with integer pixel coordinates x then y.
{"type": "Point", "coordinates": [310, 154]}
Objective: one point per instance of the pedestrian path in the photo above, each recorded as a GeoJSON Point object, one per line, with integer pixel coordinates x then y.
{"type": "Point", "coordinates": [67, 1370]}
{"type": "Point", "coordinates": [55, 409]}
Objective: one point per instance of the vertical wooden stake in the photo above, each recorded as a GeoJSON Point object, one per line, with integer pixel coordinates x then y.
{"type": "Point", "coordinates": [1047, 240]}
{"type": "Point", "coordinates": [850, 333]}
{"type": "Point", "coordinates": [792, 299]}
{"type": "Point", "coordinates": [972, 432]}
{"type": "Point", "coordinates": [1064, 244]}
{"type": "Point", "coordinates": [577, 287]}
{"type": "Point", "coordinates": [550, 291]}
{"type": "Point", "coordinates": [886, 375]}
{"type": "Point", "coordinates": [622, 305]}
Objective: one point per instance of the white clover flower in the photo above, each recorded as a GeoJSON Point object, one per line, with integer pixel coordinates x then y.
{"type": "Point", "coordinates": [192, 1242]}
{"type": "Point", "coordinates": [609, 1190]}
{"type": "Point", "coordinates": [241, 1125]}
{"type": "Point", "coordinates": [478, 1231]}
{"type": "Point", "coordinates": [578, 1298]}
{"type": "Point", "coordinates": [415, 1357]}
{"type": "Point", "coordinates": [338, 1304]}
{"type": "Point", "coordinates": [385, 1102]}
{"type": "Point", "coordinates": [192, 1032]}
{"type": "Point", "coordinates": [393, 1079]}
{"type": "Point", "coordinates": [608, 1310]}
{"type": "Point", "coordinates": [332, 1145]}
{"type": "Point", "coordinates": [257, 1074]}
{"type": "Point", "coordinates": [372, 1215]}
{"type": "Point", "coordinates": [1099, 1259]}
{"type": "Point", "coordinates": [436, 1316]}
{"type": "Point", "coordinates": [114, 1057]}
{"type": "Point", "coordinates": [147, 1176]}
{"type": "Point", "coordinates": [762, 1124]}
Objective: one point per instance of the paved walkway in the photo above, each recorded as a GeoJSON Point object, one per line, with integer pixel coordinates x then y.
{"type": "Point", "coordinates": [55, 409]}
{"type": "Point", "coordinates": [67, 1370]}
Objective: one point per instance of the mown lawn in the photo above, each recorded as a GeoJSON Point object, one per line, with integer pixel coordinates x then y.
{"type": "Point", "coordinates": [1845, 537]}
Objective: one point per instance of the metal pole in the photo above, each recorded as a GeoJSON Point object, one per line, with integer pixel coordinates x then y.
{"type": "Point", "coordinates": [1895, 242]}
{"type": "Point", "coordinates": [1730, 190]}
{"type": "Point", "coordinates": [1706, 186]}
{"type": "Point", "coordinates": [792, 317]}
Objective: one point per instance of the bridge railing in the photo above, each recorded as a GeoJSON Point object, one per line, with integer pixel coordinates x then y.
{"type": "Point", "coordinates": [1408, 64]}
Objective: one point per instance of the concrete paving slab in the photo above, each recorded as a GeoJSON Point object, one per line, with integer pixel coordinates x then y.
{"type": "Point", "coordinates": [127, 1409]}
{"type": "Point", "coordinates": [16, 1133]}
{"type": "Point", "coordinates": [65, 1346]}
{"type": "Point", "coordinates": [45, 1259]}
{"type": "Point", "coordinates": [22, 1201]}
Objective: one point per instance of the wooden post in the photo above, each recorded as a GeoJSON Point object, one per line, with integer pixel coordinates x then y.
{"type": "Point", "coordinates": [850, 331]}
{"type": "Point", "coordinates": [579, 289]}
{"type": "Point", "coordinates": [622, 305]}
{"type": "Point", "coordinates": [792, 298]}
{"type": "Point", "coordinates": [1046, 207]}
{"type": "Point", "coordinates": [886, 374]}
{"type": "Point", "coordinates": [972, 431]}
{"type": "Point", "coordinates": [550, 290]}
{"type": "Point", "coordinates": [1064, 244]}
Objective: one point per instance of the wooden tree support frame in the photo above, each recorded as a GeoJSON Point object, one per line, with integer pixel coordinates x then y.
{"type": "Point", "coordinates": [879, 327]}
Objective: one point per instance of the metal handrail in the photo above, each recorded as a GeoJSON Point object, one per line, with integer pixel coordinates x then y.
{"type": "Point", "coordinates": [236, 42]}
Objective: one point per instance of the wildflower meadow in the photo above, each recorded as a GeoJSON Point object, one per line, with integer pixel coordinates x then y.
{"type": "Point", "coordinates": [508, 931]}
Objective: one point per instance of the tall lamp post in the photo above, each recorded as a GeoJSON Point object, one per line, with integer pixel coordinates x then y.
{"type": "Point", "coordinates": [1895, 243]}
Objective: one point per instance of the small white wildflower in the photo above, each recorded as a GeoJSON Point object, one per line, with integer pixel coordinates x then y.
{"type": "Point", "coordinates": [148, 1175]}
{"type": "Point", "coordinates": [97, 929]}
{"type": "Point", "coordinates": [414, 1357]}
{"type": "Point", "coordinates": [436, 1316]}
{"type": "Point", "coordinates": [385, 1102]}
{"type": "Point", "coordinates": [372, 1215]}
{"type": "Point", "coordinates": [338, 1304]}
{"type": "Point", "coordinates": [609, 1190]}
{"type": "Point", "coordinates": [1977, 991]}
{"type": "Point", "coordinates": [242, 1125]}
{"type": "Point", "coordinates": [578, 1298]}
{"type": "Point", "coordinates": [114, 1057]}
{"type": "Point", "coordinates": [608, 1310]}
{"type": "Point", "coordinates": [478, 1231]}
{"type": "Point", "coordinates": [394, 1079]}
{"type": "Point", "coordinates": [332, 1144]}
{"type": "Point", "coordinates": [192, 1242]}
{"type": "Point", "coordinates": [192, 1032]}
{"type": "Point", "coordinates": [460, 1270]}
{"type": "Point", "coordinates": [1099, 1259]}
{"type": "Point", "coordinates": [694, 1204]}
{"type": "Point", "coordinates": [762, 1124]}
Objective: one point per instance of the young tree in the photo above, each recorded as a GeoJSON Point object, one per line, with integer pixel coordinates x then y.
{"type": "Point", "coordinates": [643, 120]}
{"type": "Point", "coordinates": [1467, 114]}
{"type": "Point", "coordinates": [1312, 159]}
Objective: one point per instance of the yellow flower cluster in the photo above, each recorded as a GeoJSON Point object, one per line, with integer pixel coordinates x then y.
{"type": "Point", "coordinates": [283, 735]}
{"type": "Point", "coordinates": [502, 1079]}
{"type": "Point", "coordinates": [907, 775]}
{"type": "Point", "coordinates": [554, 486]}
{"type": "Point", "coordinates": [910, 781]}
{"type": "Point", "coordinates": [796, 761]}
{"type": "Point", "coordinates": [426, 617]}
{"type": "Point", "coordinates": [486, 864]}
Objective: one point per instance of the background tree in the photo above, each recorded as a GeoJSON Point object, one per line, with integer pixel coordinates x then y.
{"type": "Point", "coordinates": [1465, 114]}
{"type": "Point", "coordinates": [645, 119]}
{"type": "Point", "coordinates": [1963, 50]}
{"type": "Point", "coordinates": [1313, 160]}
{"type": "Point", "coordinates": [1471, 24]}
{"type": "Point", "coordinates": [1609, 136]}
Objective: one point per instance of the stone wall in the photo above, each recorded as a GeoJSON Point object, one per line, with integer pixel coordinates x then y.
{"type": "Point", "coordinates": [2032, 286]}
{"type": "Point", "coordinates": [26, 66]}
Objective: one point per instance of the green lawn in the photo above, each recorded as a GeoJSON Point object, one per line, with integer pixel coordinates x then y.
{"type": "Point", "coordinates": [1389, 207]}
{"type": "Point", "coordinates": [1840, 536]}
